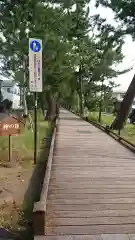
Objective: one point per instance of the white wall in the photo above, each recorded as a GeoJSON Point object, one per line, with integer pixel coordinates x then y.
{"type": "Point", "coordinates": [118, 96]}
{"type": "Point", "coordinates": [12, 97]}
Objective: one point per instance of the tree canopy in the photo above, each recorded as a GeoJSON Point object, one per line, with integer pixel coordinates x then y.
{"type": "Point", "coordinates": [79, 51]}
{"type": "Point", "coordinates": [124, 13]}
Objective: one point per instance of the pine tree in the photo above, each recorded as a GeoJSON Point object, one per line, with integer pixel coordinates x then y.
{"type": "Point", "coordinates": [124, 11]}
{"type": "Point", "coordinates": [64, 29]}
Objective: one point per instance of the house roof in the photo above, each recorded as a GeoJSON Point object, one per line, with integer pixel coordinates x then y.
{"type": "Point", "coordinates": [3, 115]}
{"type": "Point", "coordinates": [7, 83]}
{"type": "Point", "coordinates": [119, 92]}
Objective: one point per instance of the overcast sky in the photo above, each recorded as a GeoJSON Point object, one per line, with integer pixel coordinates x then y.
{"type": "Point", "coordinates": [128, 48]}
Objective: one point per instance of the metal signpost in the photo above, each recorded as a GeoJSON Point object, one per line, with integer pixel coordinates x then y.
{"type": "Point", "coordinates": [35, 79]}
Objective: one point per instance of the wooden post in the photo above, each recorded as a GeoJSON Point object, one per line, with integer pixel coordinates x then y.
{"type": "Point", "coordinates": [10, 148]}
{"type": "Point", "coordinates": [119, 133]}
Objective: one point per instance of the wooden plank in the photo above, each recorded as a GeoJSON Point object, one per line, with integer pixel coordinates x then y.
{"type": "Point", "coordinates": [89, 185]}
{"type": "Point", "coordinates": [71, 237]}
{"type": "Point", "coordinates": [89, 178]}
{"type": "Point", "coordinates": [89, 207]}
{"type": "Point", "coordinates": [93, 158]}
{"type": "Point", "coordinates": [91, 196]}
{"type": "Point", "coordinates": [90, 214]}
{"type": "Point", "coordinates": [92, 201]}
{"type": "Point", "coordinates": [102, 155]}
{"type": "Point", "coordinates": [91, 155]}
{"type": "Point", "coordinates": [97, 166]}
{"type": "Point", "coordinates": [115, 237]}
{"type": "Point", "coordinates": [86, 230]}
{"type": "Point", "coordinates": [89, 237]}
{"type": "Point", "coordinates": [88, 190]}
{"type": "Point", "coordinates": [102, 172]}
{"type": "Point", "coordinates": [92, 183]}
{"type": "Point", "coordinates": [92, 164]}
{"type": "Point", "coordinates": [92, 174]}
{"type": "Point", "coordinates": [89, 221]}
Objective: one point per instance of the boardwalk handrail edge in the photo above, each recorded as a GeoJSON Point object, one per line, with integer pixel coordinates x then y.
{"type": "Point", "coordinates": [124, 142]}
{"type": "Point", "coordinates": [39, 209]}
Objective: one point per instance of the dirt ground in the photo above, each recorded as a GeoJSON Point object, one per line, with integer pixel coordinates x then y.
{"type": "Point", "coordinates": [14, 182]}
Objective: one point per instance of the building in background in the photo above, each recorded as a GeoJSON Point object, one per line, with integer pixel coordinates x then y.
{"type": "Point", "coordinates": [11, 91]}
{"type": "Point", "coordinates": [119, 95]}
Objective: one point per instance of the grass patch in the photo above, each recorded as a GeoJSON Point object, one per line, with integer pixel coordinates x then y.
{"type": "Point", "coordinates": [129, 129]}
{"type": "Point", "coordinates": [129, 132]}
{"type": "Point", "coordinates": [105, 119]}
{"type": "Point", "coordinates": [23, 144]}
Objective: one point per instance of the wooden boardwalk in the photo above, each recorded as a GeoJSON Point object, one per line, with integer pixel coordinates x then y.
{"type": "Point", "coordinates": [92, 185]}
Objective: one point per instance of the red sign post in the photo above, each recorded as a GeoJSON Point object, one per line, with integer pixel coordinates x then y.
{"type": "Point", "coordinates": [10, 125]}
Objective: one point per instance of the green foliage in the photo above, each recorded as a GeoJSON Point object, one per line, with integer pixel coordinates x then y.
{"type": "Point", "coordinates": [124, 11]}
{"type": "Point", "coordinates": [74, 61]}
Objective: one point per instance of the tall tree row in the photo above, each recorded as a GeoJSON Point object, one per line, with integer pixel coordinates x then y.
{"type": "Point", "coordinates": [79, 50]}
{"type": "Point", "coordinates": [125, 13]}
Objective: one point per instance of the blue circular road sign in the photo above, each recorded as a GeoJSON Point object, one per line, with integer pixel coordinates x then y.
{"type": "Point", "coordinates": [35, 46]}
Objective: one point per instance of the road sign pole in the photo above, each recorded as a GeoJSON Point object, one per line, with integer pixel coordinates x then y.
{"type": "Point", "coordinates": [35, 128]}
{"type": "Point", "coordinates": [35, 80]}
{"type": "Point", "coordinates": [9, 148]}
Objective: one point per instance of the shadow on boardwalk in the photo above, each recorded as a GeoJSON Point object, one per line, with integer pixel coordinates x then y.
{"type": "Point", "coordinates": [71, 118]}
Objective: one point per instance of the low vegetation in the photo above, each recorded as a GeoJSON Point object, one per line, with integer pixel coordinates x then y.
{"type": "Point", "coordinates": [128, 132]}
{"type": "Point", "coordinates": [23, 144]}
{"type": "Point", "coordinates": [16, 176]}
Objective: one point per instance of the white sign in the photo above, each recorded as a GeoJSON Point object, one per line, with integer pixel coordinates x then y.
{"type": "Point", "coordinates": [35, 65]}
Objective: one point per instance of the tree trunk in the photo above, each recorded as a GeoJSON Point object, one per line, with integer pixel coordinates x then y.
{"type": "Point", "coordinates": [101, 103]}
{"type": "Point", "coordinates": [81, 93]}
{"type": "Point", "coordinates": [42, 102]}
{"type": "Point", "coordinates": [122, 114]}
{"type": "Point", "coordinates": [100, 111]}
{"type": "Point", "coordinates": [57, 107]}
{"type": "Point", "coordinates": [51, 107]}
{"type": "Point", "coordinates": [25, 103]}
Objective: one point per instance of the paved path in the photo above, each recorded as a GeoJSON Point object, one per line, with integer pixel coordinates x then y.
{"type": "Point", "coordinates": [92, 185]}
